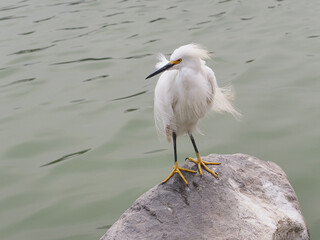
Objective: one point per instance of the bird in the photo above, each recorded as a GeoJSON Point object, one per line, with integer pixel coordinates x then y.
{"type": "Point", "coordinates": [185, 92]}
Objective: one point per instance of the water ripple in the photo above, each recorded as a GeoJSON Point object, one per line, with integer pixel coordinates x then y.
{"type": "Point", "coordinates": [104, 25]}
{"type": "Point", "coordinates": [96, 78]}
{"type": "Point", "coordinates": [155, 151]}
{"type": "Point", "coordinates": [43, 20]}
{"type": "Point", "coordinates": [247, 18]}
{"type": "Point", "coordinates": [11, 8]}
{"type": "Point", "coordinates": [18, 82]}
{"type": "Point", "coordinates": [134, 35]}
{"type": "Point", "coordinates": [26, 33]}
{"type": "Point", "coordinates": [204, 22]}
{"type": "Point", "coordinates": [71, 28]}
{"type": "Point", "coordinates": [102, 59]}
{"type": "Point", "coordinates": [138, 56]}
{"type": "Point", "coordinates": [157, 19]}
{"type": "Point", "coordinates": [104, 227]}
{"type": "Point", "coordinates": [131, 110]}
{"type": "Point", "coordinates": [193, 28]}
{"type": "Point", "coordinates": [65, 157]}
{"type": "Point", "coordinates": [76, 3]}
{"type": "Point", "coordinates": [32, 50]}
{"type": "Point", "coordinates": [11, 17]}
{"type": "Point", "coordinates": [151, 41]}
{"type": "Point", "coordinates": [78, 100]}
{"type": "Point", "coordinates": [224, 1]}
{"type": "Point", "coordinates": [78, 36]}
{"type": "Point", "coordinates": [114, 24]}
{"type": "Point", "coordinates": [18, 66]}
{"type": "Point", "coordinates": [114, 14]}
{"type": "Point", "coordinates": [218, 14]}
{"type": "Point", "coordinates": [249, 61]}
{"type": "Point", "coordinates": [313, 36]}
{"type": "Point", "coordinates": [136, 6]}
{"type": "Point", "coordinates": [83, 60]}
{"type": "Point", "coordinates": [130, 96]}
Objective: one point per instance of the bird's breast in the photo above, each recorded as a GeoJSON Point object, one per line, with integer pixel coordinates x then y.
{"type": "Point", "coordinates": [190, 97]}
{"type": "Point", "coordinates": [191, 87]}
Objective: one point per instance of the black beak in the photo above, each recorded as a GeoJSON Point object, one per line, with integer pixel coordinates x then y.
{"type": "Point", "coordinates": [165, 67]}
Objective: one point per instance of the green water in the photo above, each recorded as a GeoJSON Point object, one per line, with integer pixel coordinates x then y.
{"type": "Point", "coordinates": [78, 143]}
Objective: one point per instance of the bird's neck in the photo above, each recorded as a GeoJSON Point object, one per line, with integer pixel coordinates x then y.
{"type": "Point", "coordinates": [193, 65]}
{"type": "Point", "coordinates": [192, 68]}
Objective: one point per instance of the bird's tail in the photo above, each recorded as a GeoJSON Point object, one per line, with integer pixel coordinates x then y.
{"type": "Point", "coordinates": [222, 101]}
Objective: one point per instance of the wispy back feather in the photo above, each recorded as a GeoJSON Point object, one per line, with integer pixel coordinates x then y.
{"type": "Point", "coordinates": [223, 101]}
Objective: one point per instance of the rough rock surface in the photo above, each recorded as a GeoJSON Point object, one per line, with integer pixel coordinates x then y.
{"type": "Point", "coordinates": [252, 199]}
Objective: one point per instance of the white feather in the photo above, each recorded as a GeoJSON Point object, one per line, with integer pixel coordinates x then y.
{"type": "Point", "coordinates": [222, 98]}
{"type": "Point", "coordinates": [187, 91]}
{"type": "Point", "coordinates": [162, 61]}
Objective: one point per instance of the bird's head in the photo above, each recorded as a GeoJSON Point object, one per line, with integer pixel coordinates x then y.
{"type": "Point", "coordinates": [190, 55]}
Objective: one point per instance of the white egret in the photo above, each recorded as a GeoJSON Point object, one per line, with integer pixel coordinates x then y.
{"type": "Point", "coordinates": [185, 92]}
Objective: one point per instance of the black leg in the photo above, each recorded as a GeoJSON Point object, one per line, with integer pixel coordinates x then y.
{"type": "Point", "coordinates": [174, 137]}
{"type": "Point", "coordinates": [199, 161]}
{"type": "Point", "coordinates": [193, 143]}
{"type": "Point", "coordinates": [176, 168]}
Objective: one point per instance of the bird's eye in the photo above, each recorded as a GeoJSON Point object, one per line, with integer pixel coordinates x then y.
{"type": "Point", "coordinates": [176, 61]}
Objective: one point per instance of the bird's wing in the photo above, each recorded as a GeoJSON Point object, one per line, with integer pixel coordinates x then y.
{"type": "Point", "coordinates": [210, 94]}
{"type": "Point", "coordinates": [164, 101]}
{"type": "Point", "coordinates": [222, 97]}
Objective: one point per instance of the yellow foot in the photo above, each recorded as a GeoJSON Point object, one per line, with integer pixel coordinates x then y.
{"type": "Point", "coordinates": [177, 169]}
{"type": "Point", "coordinates": [204, 164]}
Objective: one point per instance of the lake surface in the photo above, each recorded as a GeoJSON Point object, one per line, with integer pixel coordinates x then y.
{"type": "Point", "coordinates": [78, 142]}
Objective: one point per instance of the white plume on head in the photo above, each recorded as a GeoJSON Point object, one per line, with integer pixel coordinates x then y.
{"type": "Point", "coordinates": [162, 61]}
{"type": "Point", "coordinates": [191, 50]}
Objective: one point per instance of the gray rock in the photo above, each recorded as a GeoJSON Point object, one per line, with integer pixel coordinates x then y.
{"type": "Point", "coordinates": [252, 199]}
